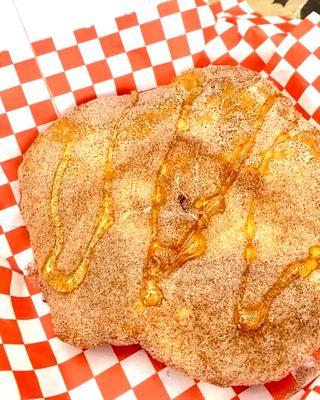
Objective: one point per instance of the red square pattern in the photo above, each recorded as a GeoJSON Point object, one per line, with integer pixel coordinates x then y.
{"type": "Point", "coordinates": [27, 70]}
{"type": "Point", "coordinates": [28, 385]}
{"type": "Point", "coordinates": [127, 21]}
{"type": "Point", "coordinates": [43, 46]}
{"type": "Point", "coordinates": [191, 20]}
{"type": "Point", "coordinates": [75, 371]}
{"type": "Point", "coordinates": [152, 32]}
{"type": "Point", "coordinates": [4, 362]}
{"type": "Point", "coordinates": [191, 394]}
{"type": "Point", "coordinates": [139, 58]}
{"type": "Point", "coordinates": [168, 8]}
{"type": "Point", "coordinates": [47, 326]}
{"type": "Point", "coordinates": [179, 47]}
{"type": "Point", "coordinates": [151, 389]}
{"type": "Point", "coordinates": [58, 84]}
{"type": "Point", "coordinates": [10, 168]}
{"type": "Point", "coordinates": [5, 127]}
{"type": "Point", "coordinates": [164, 73]}
{"type": "Point", "coordinates": [23, 307]}
{"type": "Point", "coordinates": [5, 280]}
{"type": "Point", "coordinates": [13, 98]}
{"type": "Point", "coordinates": [18, 239]}
{"type": "Point", "coordinates": [43, 112]}
{"type": "Point", "coordinates": [112, 44]}
{"type": "Point", "coordinates": [6, 197]}
{"type": "Point", "coordinates": [10, 332]}
{"type": "Point", "coordinates": [84, 95]}
{"type": "Point", "coordinates": [279, 389]}
{"type": "Point", "coordinates": [296, 55]}
{"type": "Point", "coordinates": [41, 355]}
{"type": "Point", "coordinates": [99, 71]}
{"type": "Point", "coordinates": [296, 85]}
{"type": "Point", "coordinates": [70, 57]}
{"type": "Point", "coordinates": [26, 138]}
{"type": "Point", "coordinates": [113, 382]}
{"type": "Point", "coordinates": [85, 34]}
{"type": "Point", "coordinates": [123, 352]}
{"type": "Point", "coordinates": [5, 58]}
{"type": "Point", "coordinates": [125, 84]}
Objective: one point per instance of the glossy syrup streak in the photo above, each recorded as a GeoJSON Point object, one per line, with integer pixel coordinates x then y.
{"type": "Point", "coordinates": [254, 316]}
{"type": "Point", "coordinates": [243, 316]}
{"type": "Point", "coordinates": [162, 259]}
{"type": "Point", "coordinates": [58, 280]}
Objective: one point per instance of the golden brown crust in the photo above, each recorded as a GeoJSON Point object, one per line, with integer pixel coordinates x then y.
{"type": "Point", "coordinates": [194, 328]}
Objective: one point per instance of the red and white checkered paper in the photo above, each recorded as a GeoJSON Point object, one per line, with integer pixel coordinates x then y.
{"type": "Point", "coordinates": [138, 51]}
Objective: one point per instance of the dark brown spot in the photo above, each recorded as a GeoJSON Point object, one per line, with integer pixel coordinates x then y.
{"type": "Point", "coordinates": [184, 203]}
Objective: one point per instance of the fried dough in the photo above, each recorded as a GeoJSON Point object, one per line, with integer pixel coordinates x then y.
{"type": "Point", "coordinates": [186, 219]}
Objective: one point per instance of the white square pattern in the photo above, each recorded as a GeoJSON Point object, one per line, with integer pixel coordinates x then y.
{"type": "Point", "coordinates": [91, 51]}
{"type": "Point", "coordinates": [311, 39]}
{"type": "Point", "coordinates": [129, 395]}
{"type": "Point", "coordinates": [78, 78]}
{"type": "Point", "coordinates": [50, 64]}
{"type": "Point", "coordinates": [3, 179]}
{"type": "Point", "coordinates": [10, 217]}
{"type": "Point", "coordinates": [64, 102]}
{"type": "Point", "coordinates": [101, 358]}
{"type": "Point", "coordinates": [105, 88]}
{"type": "Point", "coordinates": [258, 392]}
{"type": "Point", "coordinates": [216, 392]}
{"type": "Point", "coordinates": [21, 119]}
{"type": "Point", "coordinates": [241, 51]}
{"type": "Point", "coordinates": [174, 382]}
{"type": "Point", "coordinates": [2, 109]}
{"type": "Point", "coordinates": [18, 287]}
{"type": "Point", "coordinates": [132, 38]}
{"type": "Point", "coordinates": [8, 77]}
{"type": "Point", "coordinates": [119, 65]}
{"type": "Point", "coordinates": [283, 72]}
{"type": "Point", "coordinates": [215, 48]}
{"type": "Point", "coordinates": [138, 367]}
{"type": "Point", "coordinates": [18, 357]}
{"type": "Point", "coordinates": [9, 148]}
{"type": "Point", "coordinates": [6, 309]}
{"type": "Point", "coordinates": [182, 64]}
{"type": "Point", "coordinates": [159, 53]}
{"type": "Point", "coordinates": [173, 26]}
{"type": "Point", "coordinates": [310, 68]}
{"type": "Point", "coordinates": [63, 351]}
{"type": "Point", "coordinates": [51, 381]}
{"type": "Point", "coordinates": [310, 100]}
{"type": "Point", "coordinates": [145, 79]}
{"type": "Point", "coordinates": [32, 330]}
{"type": "Point", "coordinates": [195, 41]}
{"type": "Point", "coordinates": [35, 91]}
{"type": "Point", "coordinates": [22, 259]}
{"type": "Point", "coordinates": [5, 251]}
{"type": "Point", "coordinates": [9, 385]}
{"type": "Point", "coordinates": [41, 307]}
{"type": "Point", "coordinates": [88, 390]}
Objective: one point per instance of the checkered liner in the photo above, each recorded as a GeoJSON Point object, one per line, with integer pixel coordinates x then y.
{"type": "Point", "coordinates": [140, 51]}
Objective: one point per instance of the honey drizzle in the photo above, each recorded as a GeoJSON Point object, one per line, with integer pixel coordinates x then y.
{"type": "Point", "coordinates": [249, 230]}
{"type": "Point", "coordinates": [68, 282]}
{"type": "Point", "coordinates": [163, 260]}
{"type": "Point", "coordinates": [253, 317]}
